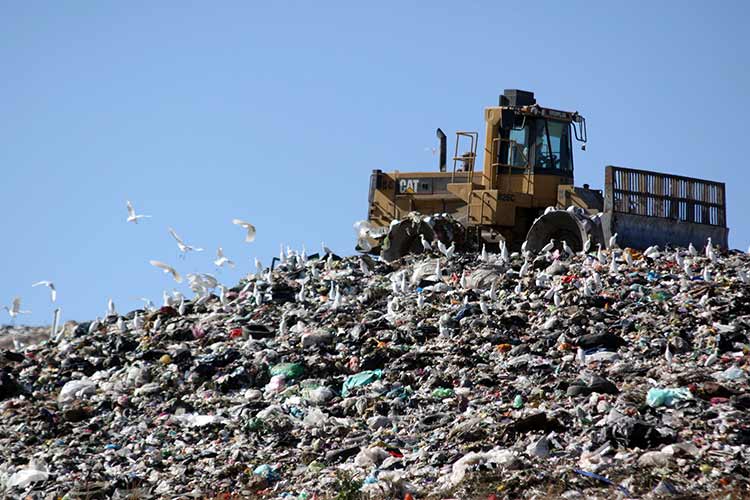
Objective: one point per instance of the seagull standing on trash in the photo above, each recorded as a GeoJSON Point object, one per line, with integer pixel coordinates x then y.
{"type": "Point", "coordinates": [597, 280]}
{"type": "Point", "coordinates": [613, 241]}
{"type": "Point", "coordinates": [691, 249]}
{"type": "Point", "coordinates": [492, 294]}
{"type": "Point", "coordinates": [448, 252]}
{"type": "Point", "coordinates": [94, 325]}
{"type": "Point", "coordinates": [668, 356]}
{"type": "Point", "coordinates": [137, 321]}
{"type": "Point", "coordinates": [713, 358]}
{"type": "Point", "coordinates": [167, 269]}
{"type": "Point", "coordinates": [111, 310]}
{"type": "Point", "coordinates": [249, 228]}
{"type": "Point", "coordinates": [222, 259]}
{"type": "Point", "coordinates": [600, 255]}
{"type": "Point", "coordinates": [336, 298]}
{"type": "Point", "coordinates": [710, 254]}
{"type": "Point", "coordinates": [420, 300]}
{"type": "Point", "coordinates": [566, 248]}
{"type": "Point", "coordinates": [483, 256]}
{"type": "Point", "coordinates": [628, 258]}
{"type": "Point", "coordinates": [678, 258]}
{"type": "Point", "coordinates": [483, 305]}
{"type": "Point", "coordinates": [425, 244]}
{"type": "Point", "coordinates": [524, 268]}
{"type": "Point", "coordinates": [613, 265]}
{"type": "Point", "coordinates": [132, 216]}
{"type": "Point", "coordinates": [549, 246]}
{"type": "Point", "coordinates": [463, 281]}
{"type": "Point", "coordinates": [587, 245]}
{"type": "Point", "coordinates": [184, 247]}
{"type": "Point", "coordinates": [51, 286]}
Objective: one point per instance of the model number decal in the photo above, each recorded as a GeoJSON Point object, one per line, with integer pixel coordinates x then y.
{"type": "Point", "coordinates": [506, 197]}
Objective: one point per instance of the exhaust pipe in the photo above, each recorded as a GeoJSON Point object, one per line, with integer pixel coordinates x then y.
{"type": "Point", "coordinates": [443, 149]}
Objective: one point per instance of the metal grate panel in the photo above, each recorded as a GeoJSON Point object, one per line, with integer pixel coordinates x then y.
{"type": "Point", "coordinates": [653, 194]}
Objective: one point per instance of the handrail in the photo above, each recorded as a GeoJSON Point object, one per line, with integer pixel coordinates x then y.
{"type": "Point", "coordinates": [471, 159]}
{"type": "Point", "coordinates": [497, 143]}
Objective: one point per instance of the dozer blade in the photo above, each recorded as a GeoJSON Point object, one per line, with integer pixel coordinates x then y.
{"type": "Point", "coordinates": [650, 208]}
{"type": "Point", "coordinates": [403, 236]}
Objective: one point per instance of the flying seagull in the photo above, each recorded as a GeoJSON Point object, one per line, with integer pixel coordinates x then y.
{"type": "Point", "coordinates": [15, 309]}
{"type": "Point", "coordinates": [221, 259]}
{"type": "Point", "coordinates": [132, 217]}
{"type": "Point", "coordinates": [250, 236]}
{"type": "Point", "coordinates": [184, 247]}
{"type": "Point", "coordinates": [167, 269]}
{"type": "Point", "coordinates": [51, 286]}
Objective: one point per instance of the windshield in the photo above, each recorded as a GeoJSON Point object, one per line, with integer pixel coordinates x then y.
{"type": "Point", "coordinates": [553, 145]}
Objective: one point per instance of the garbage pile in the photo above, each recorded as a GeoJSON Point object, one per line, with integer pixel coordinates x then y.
{"type": "Point", "coordinates": [608, 375]}
{"type": "Point", "coordinates": [16, 337]}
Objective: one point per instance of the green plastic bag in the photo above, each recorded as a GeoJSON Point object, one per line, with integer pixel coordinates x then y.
{"type": "Point", "coordinates": [666, 397]}
{"type": "Point", "coordinates": [360, 379]}
{"type": "Point", "coordinates": [289, 370]}
{"type": "Point", "coordinates": [442, 393]}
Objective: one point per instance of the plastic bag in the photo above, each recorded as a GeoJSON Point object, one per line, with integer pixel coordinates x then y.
{"type": "Point", "coordinates": [360, 379]}
{"type": "Point", "coordinates": [666, 397]}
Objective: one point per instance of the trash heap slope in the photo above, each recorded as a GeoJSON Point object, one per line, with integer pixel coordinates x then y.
{"type": "Point", "coordinates": [562, 376]}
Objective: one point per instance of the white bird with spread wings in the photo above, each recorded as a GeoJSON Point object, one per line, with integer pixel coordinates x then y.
{"type": "Point", "coordinates": [51, 286]}
{"type": "Point", "coordinates": [250, 236]}
{"type": "Point", "coordinates": [15, 309]}
{"type": "Point", "coordinates": [132, 216]}
{"type": "Point", "coordinates": [167, 269]}
{"type": "Point", "coordinates": [222, 259]}
{"type": "Point", "coordinates": [184, 247]}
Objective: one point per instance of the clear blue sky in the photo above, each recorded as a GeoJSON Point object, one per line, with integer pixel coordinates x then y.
{"type": "Point", "coordinates": [200, 113]}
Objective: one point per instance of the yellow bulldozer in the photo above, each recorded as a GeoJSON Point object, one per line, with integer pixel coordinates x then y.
{"type": "Point", "coordinates": [524, 192]}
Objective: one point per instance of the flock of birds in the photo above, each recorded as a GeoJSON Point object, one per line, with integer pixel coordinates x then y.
{"type": "Point", "coordinates": [203, 280]}
{"type": "Point", "coordinates": [611, 260]}
{"type": "Point", "coordinates": [596, 264]}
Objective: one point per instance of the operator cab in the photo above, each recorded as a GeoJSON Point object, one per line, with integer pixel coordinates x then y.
{"type": "Point", "coordinates": [531, 137]}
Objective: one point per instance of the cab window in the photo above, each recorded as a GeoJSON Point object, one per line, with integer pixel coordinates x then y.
{"type": "Point", "coordinates": [552, 146]}
{"type": "Point", "coordinates": [518, 147]}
